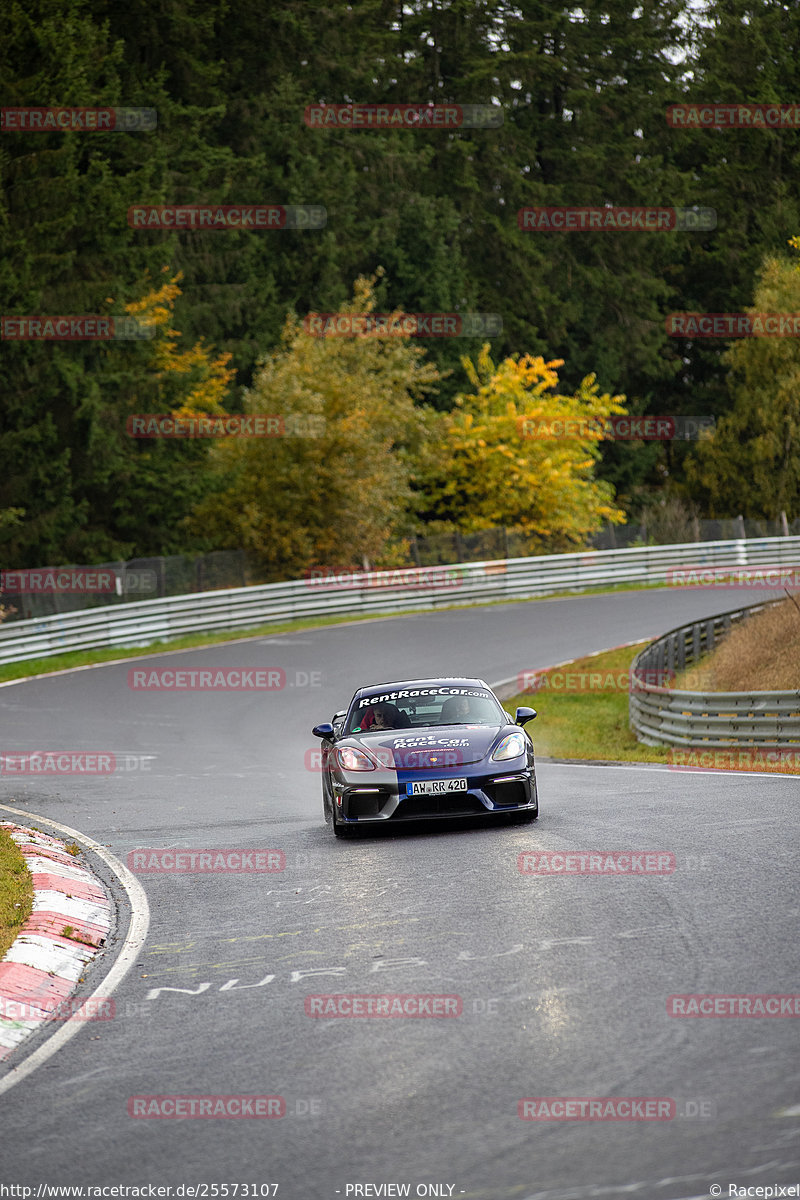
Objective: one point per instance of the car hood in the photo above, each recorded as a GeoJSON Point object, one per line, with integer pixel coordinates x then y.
{"type": "Point", "coordinates": [447, 746]}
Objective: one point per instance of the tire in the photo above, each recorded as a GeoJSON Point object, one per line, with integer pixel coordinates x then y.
{"type": "Point", "coordinates": [525, 818]}
{"type": "Point", "coordinates": [327, 803]}
{"type": "Point", "coordinates": [343, 831]}
{"type": "Point", "coordinates": [329, 810]}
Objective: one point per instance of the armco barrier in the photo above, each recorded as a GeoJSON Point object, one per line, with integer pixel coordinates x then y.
{"type": "Point", "coordinates": [146, 621]}
{"type": "Point", "coordinates": [711, 720]}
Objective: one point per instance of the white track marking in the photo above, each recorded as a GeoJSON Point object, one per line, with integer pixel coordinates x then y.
{"type": "Point", "coordinates": [39, 865]}
{"type": "Point", "coordinates": [606, 766]}
{"type": "Point", "coordinates": [70, 906]}
{"type": "Point", "coordinates": [66, 961]}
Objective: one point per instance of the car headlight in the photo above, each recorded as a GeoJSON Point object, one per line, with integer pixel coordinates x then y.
{"type": "Point", "coordinates": [511, 747]}
{"type": "Point", "coordinates": [350, 759]}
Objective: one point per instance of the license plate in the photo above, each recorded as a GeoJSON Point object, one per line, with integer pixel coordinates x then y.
{"type": "Point", "coordinates": [435, 787]}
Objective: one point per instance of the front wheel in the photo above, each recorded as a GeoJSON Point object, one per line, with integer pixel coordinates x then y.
{"type": "Point", "coordinates": [327, 802]}
{"type": "Point", "coordinates": [525, 818]}
{"type": "Point", "coordinates": [343, 831]}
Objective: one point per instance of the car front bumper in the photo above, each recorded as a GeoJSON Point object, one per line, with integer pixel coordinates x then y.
{"type": "Point", "coordinates": [486, 795]}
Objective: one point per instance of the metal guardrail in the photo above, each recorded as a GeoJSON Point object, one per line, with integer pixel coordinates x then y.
{"type": "Point", "coordinates": [144, 622]}
{"type": "Point", "coordinates": [711, 720]}
{"type": "Point", "coordinates": [179, 574]}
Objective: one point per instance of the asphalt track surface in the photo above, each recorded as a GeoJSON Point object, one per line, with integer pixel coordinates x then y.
{"type": "Point", "coordinates": [563, 980]}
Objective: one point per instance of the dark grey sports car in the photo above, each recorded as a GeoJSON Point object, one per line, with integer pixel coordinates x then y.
{"type": "Point", "coordinates": [424, 748]}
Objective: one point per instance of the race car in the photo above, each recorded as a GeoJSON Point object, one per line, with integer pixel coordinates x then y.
{"type": "Point", "coordinates": [426, 748]}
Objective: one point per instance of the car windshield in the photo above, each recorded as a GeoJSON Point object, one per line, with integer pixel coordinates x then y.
{"type": "Point", "coordinates": [411, 711]}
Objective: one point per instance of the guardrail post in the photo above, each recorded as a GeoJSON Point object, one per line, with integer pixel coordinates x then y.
{"type": "Point", "coordinates": [742, 547]}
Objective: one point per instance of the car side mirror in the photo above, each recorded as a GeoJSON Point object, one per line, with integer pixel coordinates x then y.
{"type": "Point", "coordinates": [325, 730]}
{"type": "Point", "coordinates": [523, 715]}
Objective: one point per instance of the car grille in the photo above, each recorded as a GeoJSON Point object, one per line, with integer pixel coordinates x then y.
{"type": "Point", "coordinates": [457, 804]}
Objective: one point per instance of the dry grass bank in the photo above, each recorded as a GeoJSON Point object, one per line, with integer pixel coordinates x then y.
{"type": "Point", "coordinates": [760, 655]}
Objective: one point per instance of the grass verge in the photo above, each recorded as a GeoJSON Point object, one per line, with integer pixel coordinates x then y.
{"type": "Point", "coordinates": [16, 891]}
{"type": "Point", "coordinates": [583, 714]}
{"type": "Point", "coordinates": [579, 719]}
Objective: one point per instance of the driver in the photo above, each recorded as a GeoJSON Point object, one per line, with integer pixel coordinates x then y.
{"type": "Point", "coordinates": [382, 716]}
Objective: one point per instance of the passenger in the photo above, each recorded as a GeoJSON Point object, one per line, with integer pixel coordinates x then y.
{"type": "Point", "coordinates": [456, 710]}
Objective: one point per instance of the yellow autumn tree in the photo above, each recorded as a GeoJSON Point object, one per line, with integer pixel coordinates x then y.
{"type": "Point", "coordinates": [182, 382]}
{"type": "Point", "coordinates": [150, 485]}
{"type": "Point", "coordinates": [331, 485]}
{"type": "Point", "coordinates": [517, 453]}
